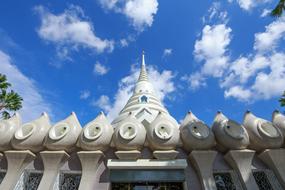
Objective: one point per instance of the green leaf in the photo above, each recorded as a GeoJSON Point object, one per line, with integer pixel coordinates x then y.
{"type": "Point", "coordinates": [5, 115]}
{"type": "Point", "coordinates": [282, 100]}
{"type": "Point", "coordinates": [13, 101]}
{"type": "Point", "coordinates": [9, 100]}
{"type": "Point", "coordinates": [3, 82]}
{"type": "Point", "coordinates": [278, 10]}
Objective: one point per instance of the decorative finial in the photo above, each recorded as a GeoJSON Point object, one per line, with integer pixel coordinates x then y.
{"type": "Point", "coordinates": [143, 73]}
{"type": "Point", "coordinates": [143, 62]}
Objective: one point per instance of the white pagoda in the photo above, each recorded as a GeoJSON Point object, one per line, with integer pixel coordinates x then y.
{"type": "Point", "coordinates": [143, 148]}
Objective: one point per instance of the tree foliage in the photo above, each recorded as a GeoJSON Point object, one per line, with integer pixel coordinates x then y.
{"type": "Point", "coordinates": [278, 10]}
{"type": "Point", "coordinates": [282, 100]}
{"type": "Point", "coordinates": [10, 101]}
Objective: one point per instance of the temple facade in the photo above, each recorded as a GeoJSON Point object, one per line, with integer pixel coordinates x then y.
{"type": "Point", "coordinates": [143, 148]}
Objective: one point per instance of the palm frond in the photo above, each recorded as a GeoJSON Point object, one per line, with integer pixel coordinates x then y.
{"type": "Point", "coordinates": [5, 115]}
{"type": "Point", "coordinates": [282, 100]}
{"type": "Point", "coordinates": [278, 10]}
{"type": "Point", "coordinates": [3, 82]}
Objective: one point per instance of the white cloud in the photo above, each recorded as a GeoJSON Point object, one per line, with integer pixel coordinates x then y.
{"type": "Point", "coordinates": [162, 82]}
{"type": "Point", "coordinates": [108, 4]}
{"type": "Point", "coordinates": [167, 52]}
{"type": "Point", "coordinates": [247, 5]}
{"type": "Point", "coordinates": [243, 68]}
{"type": "Point", "coordinates": [212, 48]}
{"type": "Point", "coordinates": [216, 14]}
{"type": "Point", "coordinates": [269, 40]}
{"type": "Point", "coordinates": [238, 92]}
{"type": "Point", "coordinates": [100, 69]}
{"type": "Point", "coordinates": [268, 79]}
{"type": "Point", "coordinates": [257, 75]}
{"type": "Point", "coordinates": [70, 30]}
{"type": "Point", "coordinates": [195, 80]}
{"type": "Point", "coordinates": [84, 94]}
{"type": "Point", "coordinates": [265, 13]}
{"type": "Point", "coordinates": [139, 12]}
{"type": "Point", "coordinates": [271, 83]}
{"type": "Point", "coordinates": [33, 102]}
{"type": "Point", "coordinates": [213, 42]}
{"type": "Point", "coordinates": [124, 42]}
{"type": "Point", "coordinates": [103, 102]}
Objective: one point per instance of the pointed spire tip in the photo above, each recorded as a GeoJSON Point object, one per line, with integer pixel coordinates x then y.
{"type": "Point", "coordinates": [143, 62]}
{"type": "Point", "coordinates": [143, 73]}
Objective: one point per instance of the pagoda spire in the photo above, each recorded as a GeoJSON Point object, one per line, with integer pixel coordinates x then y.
{"type": "Point", "coordinates": [144, 103]}
{"type": "Point", "coordinates": [143, 73]}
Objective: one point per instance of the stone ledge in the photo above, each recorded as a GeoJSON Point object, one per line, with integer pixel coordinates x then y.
{"type": "Point", "coordinates": [165, 154]}
{"type": "Point", "coordinates": [128, 154]}
{"type": "Point", "coordinates": [147, 164]}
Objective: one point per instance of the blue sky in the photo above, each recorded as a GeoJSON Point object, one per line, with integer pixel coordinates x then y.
{"type": "Point", "coordinates": [84, 56]}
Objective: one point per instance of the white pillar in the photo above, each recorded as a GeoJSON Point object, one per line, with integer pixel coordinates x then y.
{"type": "Point", "coordinates": [17, 162]}
{"type": "Point", "coordinates": [52, 161]}
{"type": "Point", "coordinates": [240, 161]}
{"type": "Point", "coordinates": [89, 164]}
{"type": "Point", "coordinates": [203, 162]}
{"type": "Point", "coordinates": [274, 159]}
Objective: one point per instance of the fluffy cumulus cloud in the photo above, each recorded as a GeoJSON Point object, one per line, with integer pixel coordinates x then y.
{"type": "Point", "coordinates": [249, 4]}
{"type": "Point", "coordinates": [243, 68]}
{"type": "Point", "coordinates": [210, 51]}
{"type": "Point", "coordinates": [257, 75]}
{"type": "Point", "coordinates": [271, 82]}
{"type": "Point", "coordinates": [238, 92]}
{"type": "Point", "coordinates": [33, 102]}
{"type": "Point", "coordinates": [260, 77]}
{"type": "Point", "coordinates": [212, 48]}
{"type": "Point", "coordinates": [269, 40]}
{"type": "Point", "coordinates": [100, 69]}
{"type": "Point", "coordinates": [70, 30]}
{"type": "Point", "coordinates": [162, 82]}
{"type": "Point", "coordinates": [139, 12]}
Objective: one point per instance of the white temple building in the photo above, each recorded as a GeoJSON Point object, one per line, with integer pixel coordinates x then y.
{"type": "Point", "coordinates": [143, 148]}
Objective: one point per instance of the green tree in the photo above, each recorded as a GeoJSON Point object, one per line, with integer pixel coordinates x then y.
{"type": "Point", "coordinates": [282, 100]}
{"type": "Point", "coordinates": [278, 10]}
{"type": "Point", "coordinates": [9, 101]}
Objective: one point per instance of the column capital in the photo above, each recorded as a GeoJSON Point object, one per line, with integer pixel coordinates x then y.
{"type": "Point", "coordinates": [203, 163]}
{"type": "Point", "coordinates": [52, 161]}
{"type": "Point", "coordinates": [241, 161]}
{"type": "Point", "coordinates": [17, 161]}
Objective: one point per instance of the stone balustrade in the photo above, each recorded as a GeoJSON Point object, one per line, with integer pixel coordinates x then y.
{"type": "Point", "coordinates": [65, 151]}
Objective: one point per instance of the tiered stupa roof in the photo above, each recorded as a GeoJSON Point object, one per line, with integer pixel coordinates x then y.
{"type": "Point", "coordinates": [144, 104]}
